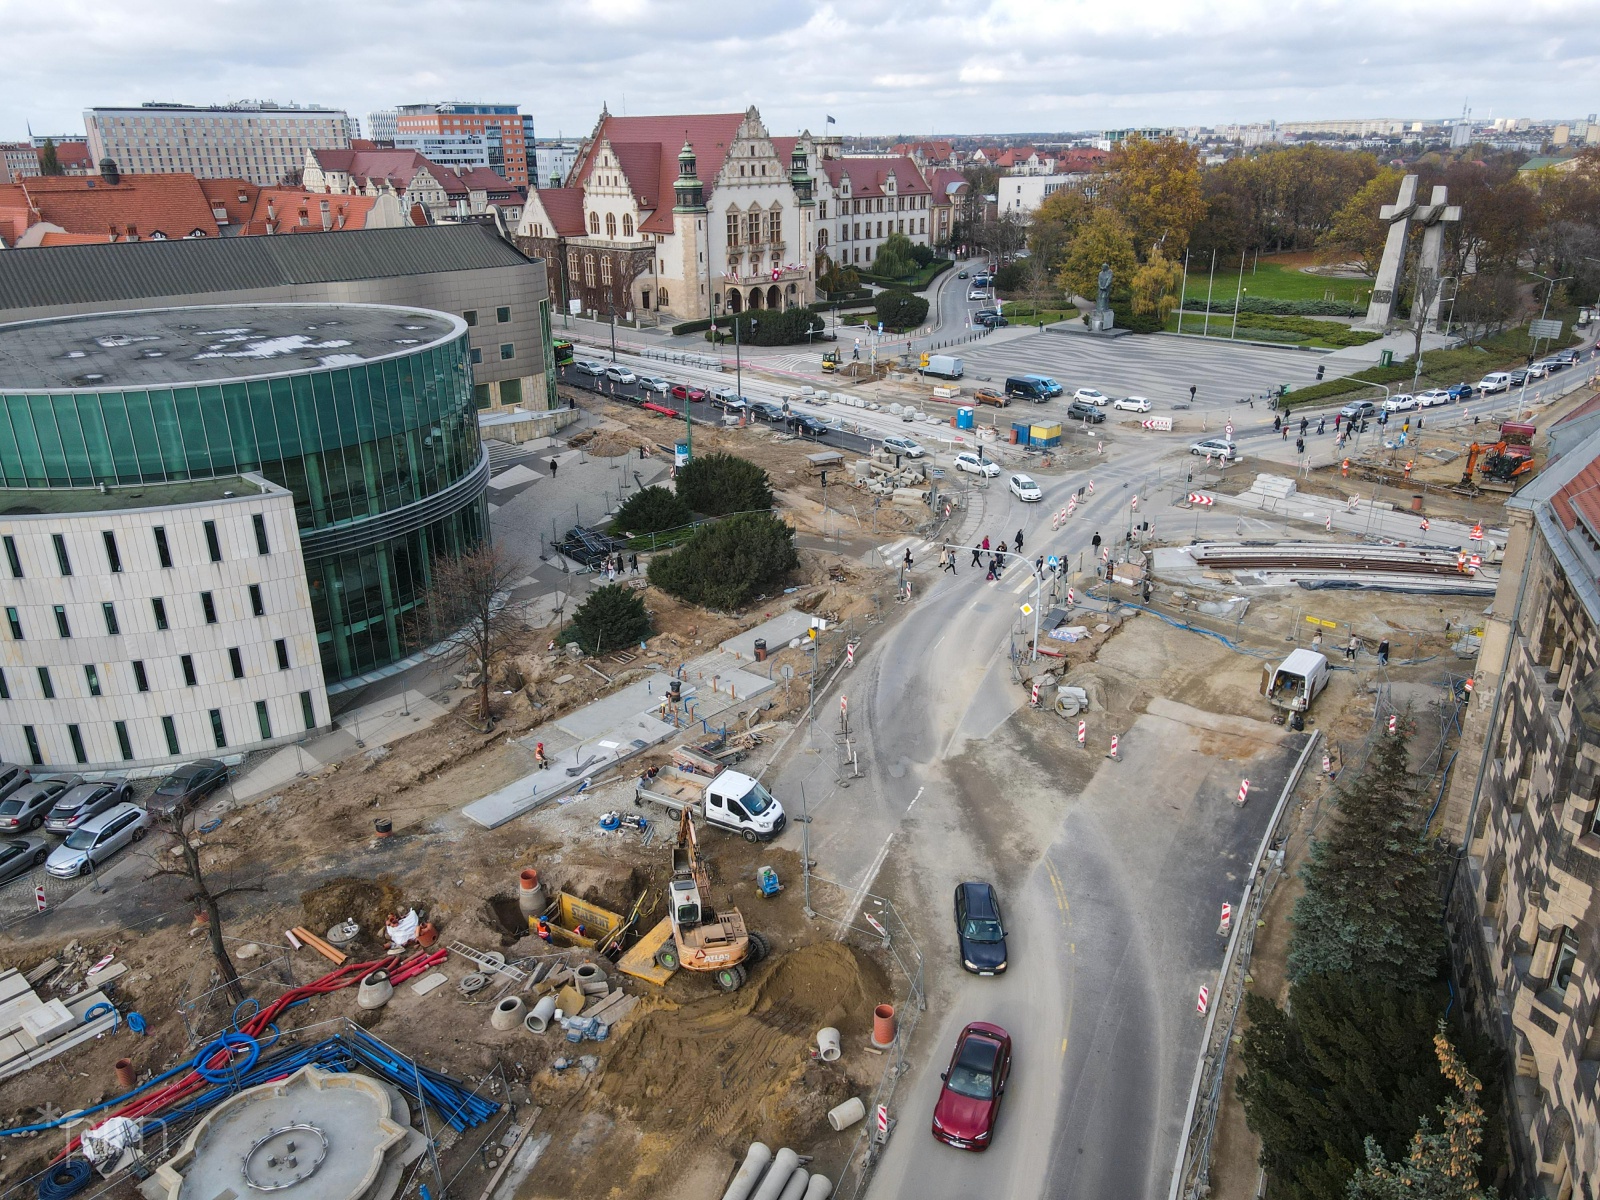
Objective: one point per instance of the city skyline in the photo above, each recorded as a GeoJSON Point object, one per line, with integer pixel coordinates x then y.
{"type": "Point", "coordinates": [879, 68]}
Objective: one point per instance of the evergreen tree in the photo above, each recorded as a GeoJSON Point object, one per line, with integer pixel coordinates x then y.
{"type": "Point", "coordinates": [611, 616]}
{"type": "Point", "coordinates": [727, 563]}
{"type": "Point", "coordinates": [49, 161]}
{"type": "Point", "coordinates": [651, 510]}
{"type": "Point", "coordinates": [715, 484]}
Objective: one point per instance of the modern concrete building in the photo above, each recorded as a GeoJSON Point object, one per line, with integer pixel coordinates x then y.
{"type": "Point", "coordinates": [265, 143]}
{"type": "Point", "coordinates": [553, 161]}
{"type": "Point", "coordinates": [458, 150]}
{"type": "Point", "coordinates": [467, 269]}
{"type": "Point", "coordinates": [382, 126]}
{"type": "Point", "coordinates": [507, 132]}
{"type": "Point", "coordinates": [211, 514]}
{"type": "Point", "coordinates": [1525, 905]}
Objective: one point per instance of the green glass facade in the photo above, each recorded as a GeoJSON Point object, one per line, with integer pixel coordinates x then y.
{"type": "Point", "coordinates": [366, 451]}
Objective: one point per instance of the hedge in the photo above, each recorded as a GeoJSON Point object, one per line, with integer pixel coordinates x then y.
{"type": "Point", "coordinates": [692, 326]}
{"type": "Point", "coordinates": [1280, 308]}
{"type": "Point", "coordinates": [771, 327]}
{"type": "Point", "coordinates": [916, 282]}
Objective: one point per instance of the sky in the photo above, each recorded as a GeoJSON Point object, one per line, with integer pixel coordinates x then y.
{"type": "Point", "coordinates": [880, 67]}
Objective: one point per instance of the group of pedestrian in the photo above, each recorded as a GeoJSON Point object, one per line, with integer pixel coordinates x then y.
{"type": "Point", "coordinates": [617, 563]}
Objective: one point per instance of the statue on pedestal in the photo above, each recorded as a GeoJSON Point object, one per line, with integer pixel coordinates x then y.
{"type": "Point", "coordinates": [1103, 301]}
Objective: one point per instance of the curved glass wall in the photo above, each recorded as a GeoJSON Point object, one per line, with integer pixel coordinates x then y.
{"type": "Point", "coordinates": [351, 443]}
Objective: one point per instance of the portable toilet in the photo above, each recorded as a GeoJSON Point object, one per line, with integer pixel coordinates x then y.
{"type": "Point", "coordinates": [1045, 435]}
{"type": "Point", "coordinates": [964, 419]}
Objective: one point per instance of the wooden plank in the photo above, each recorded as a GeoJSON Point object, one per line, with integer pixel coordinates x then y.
{"type": "Point", "coordinates": [336, 957]}
{"type": "Point", "coordinates": [640, 961]}
{"type": "Point", "coordinates": [511, 1154]}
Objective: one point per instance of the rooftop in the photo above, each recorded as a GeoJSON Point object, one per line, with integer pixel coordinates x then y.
{"type": "Point", "coordinates": [163, 346]}
{"type": "Point", "coordinates": [32, 502]}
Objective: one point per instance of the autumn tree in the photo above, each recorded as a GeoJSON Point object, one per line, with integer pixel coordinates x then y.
{"type": "Point", "coordinates": [1358, 232]}
{"type": "Point", "coordinates": [49, 161]}
{"type": "Point", "coordinates": [466, 607]}
{"type": "Point", "coordinates": [1056, 223]}
{"type": "Point", "coordinates": [1154, 184]}
{"type": "Point", "coordinates": [1155, 284]}
{"type": "Point", "coordinates": [1104, 238]}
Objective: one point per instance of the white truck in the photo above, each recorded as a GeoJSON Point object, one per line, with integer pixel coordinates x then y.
{"type": "Point", "coordinates": [945, 366]}
{"type": "Point", "coordinates": [732, 800]}
{"type": "Point", "coordinates": [1297, 680]}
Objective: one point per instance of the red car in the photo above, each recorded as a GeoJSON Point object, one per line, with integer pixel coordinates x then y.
{"type": "Point", "coordinates": [974, 1085]}
{"type": "Point", "coordinates": [684, 391]}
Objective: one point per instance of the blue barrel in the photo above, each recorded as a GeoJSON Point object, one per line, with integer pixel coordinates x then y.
{"type": "Point", "coordinates": [963, 418]}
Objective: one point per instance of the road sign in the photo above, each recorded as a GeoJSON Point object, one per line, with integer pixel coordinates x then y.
{"type": "Point", "coordinates": [1201, 499]}
{"type": "Point", "coordinates": [1544, 329]}
{"type": "Point", "coordinates": [1053, 562]}
{"type": "Point", "coordinates": [1320, 621]}
{"type": "Point", "coordinates": [1424, 524]}
{"type": "Point", "coordinates": [844, 706]}
{"type": "Point", "coordinates": [1228, 429]}
{"type": "Point", "coordinates": [1027, 610]}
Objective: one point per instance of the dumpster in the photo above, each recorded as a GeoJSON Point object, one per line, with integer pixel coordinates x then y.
{"type": "Point", "coordinates": [964, 419]}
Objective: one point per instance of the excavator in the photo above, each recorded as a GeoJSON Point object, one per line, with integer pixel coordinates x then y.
{"type": "Point", "coordinates": [704, 939]}
{"type": "Point", "coordinates": [1497, 465]}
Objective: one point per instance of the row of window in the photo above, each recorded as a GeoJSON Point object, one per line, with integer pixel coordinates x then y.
{"type": "Point", "coordinates": [141, 677]}
{"type": "Point", "coordinates": [749, 229]}
{"type": "Point", "coordinates": [114, 551]}
{"type": "Point", "coordinates": [852, 231]}
{"type": "Point", "coordinates": [502, 316]}
{"type": "Point", "coordinates": [158, 610]}
{"type": "Point", "coordinates": [611, 225]}
{"type": "Point", "coordinates": [169, 730]}
{"type": "Point", "coordinates": [508, 350]}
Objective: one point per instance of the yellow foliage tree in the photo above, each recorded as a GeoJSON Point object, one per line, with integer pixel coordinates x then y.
{"type": "Point", "coordinates": [1155, 285]}
{"type": "Point", "coordinates": [1155, 184]}
{"type": "Point", "coordinates": [1104, 238]}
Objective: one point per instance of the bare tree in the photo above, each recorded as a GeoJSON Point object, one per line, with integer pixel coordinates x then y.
{"type": "Point", "coordinates": [467, 608]}
{"type": "Point", "coordinates": [1423, 293]}
{"type": "Point", "coordinates": [201, 893]}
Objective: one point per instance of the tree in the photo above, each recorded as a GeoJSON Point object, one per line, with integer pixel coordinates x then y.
{"type": "Point", "coordinates": [612, 616]}
{"type": "Point", "coordinates": [1440, 1166]}
{"type": "Point", "coordinates": [651, 510]}
{"type": "Point", "coordinates": [767, 327]}
{"type": "Point", "coordinates": [900, 309]}
{"type": "Point", "coordinates": [1155, 284]}
{"type": "Point", "coordinates": [1104, 238]}
{"type": "Point", "coordinates": [725, 564]}
{"type": "Point", "coordinates": [466, 607]}
{"type": "Point", "coordinates": [1055, 224]}
{"type": "Point", "coordinates": [1487, 302]}
{"type": "Point", "coordinates": [1425, 285]}
{"type": "Point", "coordinates": [1358, 233]}
{"type": "Point", "coordinates": [1371, 906]}
{"type": "Point", "coordinates": [1155, 184]}
{"type": "Point", "coordinates": [49, 161]}
{"type": "Point", "coordinates": [175, 823]}
{"type": "Point", "coordinates": [895, 258]}
{"type": "Point", "coordinates": [715, 484]}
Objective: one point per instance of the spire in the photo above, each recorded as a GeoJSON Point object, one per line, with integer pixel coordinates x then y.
{"type": "Point", "coordinates": [688, 192]}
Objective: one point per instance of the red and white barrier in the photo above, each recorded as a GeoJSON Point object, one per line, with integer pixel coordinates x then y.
{"type": "Point", "coordinates": [1083, 733]}
{"type": "Point", "coordinates": [1034, 698]}
{"type": "Point", "coordinates": [1227, 918]}
{"type": "Point", "coordinates": [1071, 598]}
{"type": "Point", "coordinates": [1201, 499]}
{"type": "Point", "coordinates": [1091, 487]}
{"type": "Point", "coordinates": [1424, 524]}
{"type": "Point", "coordinates": [1114, 753]}
{"type": "Point", "coordinates": [38, 897]}
{"type": "Point", "coordinates": [850, 654]}
{"type": "Point", "coordinates": [1477, 533]}
{"type": "Point", "coordinates": [844, 707]}
{"type": "Point", "coordinates": [1394, 724]}
{"type": "Point", "coordinates": [1204, 1002]}
{"type": "Point", "coordinates": [1244, 793]}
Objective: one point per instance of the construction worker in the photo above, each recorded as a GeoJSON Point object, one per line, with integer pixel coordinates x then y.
{"type": "Point", "coordinates": [541, 928]}
{"type": "Point", "coordinates": [538, 757]}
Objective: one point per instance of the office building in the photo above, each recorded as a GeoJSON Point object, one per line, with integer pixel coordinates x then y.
{"type": "Point", "coordinates": [496, 123]}
{"type": "Point", "coordinates": [554, 161]}
{"type": "Point", "coordinates": [381, 126]}
{"type": "Point", "coordinates": [262, 142]}
{"type": "Point", "coordinates": [455, 150]}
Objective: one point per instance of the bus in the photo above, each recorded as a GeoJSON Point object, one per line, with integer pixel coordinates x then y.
{"type": "Point", "coordinates": [563, 350]}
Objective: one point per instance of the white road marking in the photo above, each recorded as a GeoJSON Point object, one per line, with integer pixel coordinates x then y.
{"type": "Point", "coordinates": [861, 892]}
{"type": "Point", "coordinates": [914, 800]}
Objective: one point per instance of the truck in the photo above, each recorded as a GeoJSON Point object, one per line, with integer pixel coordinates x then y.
{"type": "Point", "coordinates": [1297, 680]}
{"type": "Point", "coordinates": [731, 800]}
{"type": "Point", "coordinates": [945, 366]}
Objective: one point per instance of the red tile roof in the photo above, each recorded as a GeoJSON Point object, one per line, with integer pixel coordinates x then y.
{"type": "Point", "coordinates": [1580, 495]}
{"type": "Point", "coordinates": [642, 141]}
{"type": "Point", "coordinates": [398, 168]}
{"type": "Point", "coordinates": [868, 176]}
{"type": "Point", "coordinates": [563, 207]}
{"type": "Point", "coordinates": [137, 207]}
{"type": "Point", "coordinates": [74, 156]}
{"type": "Point", "coordinates": [945, 179]}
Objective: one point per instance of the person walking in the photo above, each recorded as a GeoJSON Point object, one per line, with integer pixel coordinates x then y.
{"type": "Point", "coordinates": [1095, 542]}
{"type": "Point", "coordinates": [977, 556]}
{"type": "Point", "coordinates": [1019, 541]}
{"type": "Point", "coordinates": [1286, 431]}
{"type": "Point", "coordinates": [1322, 425]}
{"type": "Point", "coordinates": [553, 465]}
{"type": "Point", "coordinates": [1277, 424]}
{"type": "Point", "coordinates": [1383, 653]}
{"type": "Point", "coordinates": [1300, 445]}
{"type": "Point", "coordinates": [1337, 418]}
{"type": "Point", "coordinates": [908, 563]}
{"type": "Point", "coordinates": [633, 564]}
{"type": "Point", "coordinates": [1038, 565]}
{"type": "Point", "coordinates": [1000, 557]}
{"type": "Point", "coordinates": [1305, 423]}
{"type": "Point", "coordinates": [986, 541]}
{"type": "Point", "coordinates": [950, 561]}
{"type": "Point", "coordinates": [1316, 641]}
{"type": "Point", "coordinates": [1350, 650]}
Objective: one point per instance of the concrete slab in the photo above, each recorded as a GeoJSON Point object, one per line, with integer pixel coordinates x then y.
{"type": "Point", "coordinates": [513, 476]}
{"type": "Point", "coordinates": [594, 719]}
{"type": "Point", "coordinates": [777, 632]}
{"type": "Point", "coordinates": [429, 982]}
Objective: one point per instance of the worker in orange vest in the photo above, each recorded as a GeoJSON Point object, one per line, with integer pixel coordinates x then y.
{"type": "Point", "coordinates": [1345, 469]}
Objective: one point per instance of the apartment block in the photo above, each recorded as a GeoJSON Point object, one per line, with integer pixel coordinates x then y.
{"type": "Point", "coordinates": [263, 143]}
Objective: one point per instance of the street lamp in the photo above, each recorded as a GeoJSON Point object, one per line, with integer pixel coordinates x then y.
{"type": "Point", "coordinates": [1552, 281]}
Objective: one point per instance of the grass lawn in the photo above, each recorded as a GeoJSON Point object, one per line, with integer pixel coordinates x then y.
{"type": "Point", "coordinates": [916, 282]}
{"type": "Point", "coordinates": [1026, 314]}
{"type": "Point", "coordinates": [1271, 281]}
{"type": "Point", "coordinates": [1221, 326]}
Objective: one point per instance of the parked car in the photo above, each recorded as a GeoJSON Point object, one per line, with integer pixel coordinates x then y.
{"type": "Point", "coordinates": [1088, 413]}
{"type": "Point", "coordinates": [77, 805]}
{"type": "Point", "coordinates": [1359, 408]}
{"type": "Point", "coordinates": [976, 293]}
{"type": "Point", "coordinates": [1091, 396]}
{"type": "Point", "coordinates": [12, 776]}
{"type": "Point", "coordinates": [1132, 404]}
{"type": "Point", "coordinates": [1027, 387]}
{"type": "Point", "coordinates": [1400, 402]}
{"type": "Point", "coordinates": [974, 1084]}
{"type": "Point", "coordinates": [763, 411]}
{"type": "Point", "coordinates": [30, 804]}
{"type": "Point", "coordinates": [97, 840]}
{"type": "Point", "coordinates": [983, 314]}
{"type": "Point", "coordinates": [990, 396]}
{"type": "Point", "coordinates": [970, 462]}
{"type": "Point", "coordinates": [19, 855]}
{"type": "Point", "coordinates": [1495, 381]}
{"type": "Point", "coordinates": [896, 444]}
{"type": "Point", "coordinates": [620, 374]}
{"type": "Point", "coordinates": [980, 932]}
{"type": "Point", "coordinates": [730, 403]}
{"type": "Point", "coordinates": [1050, 385]}
{"type": "Point", "coordinates": [1216, 448]}
{"type": "Point", "coordinates": [1461, 391]}
{"type": "Point", "coordinates": [808, 426]}
{"type": "Point", "coordinates": [685, 391]}
{"type": "Point", "coordinates": [1433, 398]}
{"type": "Point", "coordinates": [656, 384]}
{"type": "Point", "coordinates": [586, 367]}
{"type": "Point", "coordinates": [188, 785]}
{"type": "Point", "coordinates": [1024, 488]}
{"type": "Point", "coordinates": [994, 322]}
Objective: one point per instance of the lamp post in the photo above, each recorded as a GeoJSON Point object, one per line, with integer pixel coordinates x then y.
{"type": "Point", "coordinates": [1545, 312]}
{"type": "Point", "coordinates": [1238, 298]}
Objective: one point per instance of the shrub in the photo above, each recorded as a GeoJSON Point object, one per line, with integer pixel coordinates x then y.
{"type": "Point", "coordinates": [651, 511]}
{"type": "Point", "coordinates": [1013, 277]}
{"type": "Point", "coordinates": [896, 257]}
{"type": "Point", "coordinates": [1282, 308]}
{"type": "Point", "coordinates": [768, 327]}
{"type": "Point", "coordinates": [723, 565]}
{"type": "Point", "coordinates": [899, 309]}
{"type": "Point", "coordinates": [691, 326]}
{"type": "Point", "coordinates": [612, 616]}
{"type": "Point", "coordinates": [716, 484]}
{"type": "Point", "coordinates": [923, 255]}
{"type": "Point", "coordinates": [1122, 309]}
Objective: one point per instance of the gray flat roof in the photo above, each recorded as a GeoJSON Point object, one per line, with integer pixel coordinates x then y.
{"type": "Point", "coordinates": [32, 502]}
{"type": "Point", "coordinates": [222, 343]}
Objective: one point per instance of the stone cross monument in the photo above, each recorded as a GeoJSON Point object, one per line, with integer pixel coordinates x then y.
{"type": "Point", "coordinates": [1386, 289]}
{"type": "Point", "coordinates": [1433, 217]}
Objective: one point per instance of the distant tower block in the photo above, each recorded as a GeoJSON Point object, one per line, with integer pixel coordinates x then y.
{"type": "Point", "coordinates": [1386, 289]}
{"type": "Point", "coordinates": [1433, 218]}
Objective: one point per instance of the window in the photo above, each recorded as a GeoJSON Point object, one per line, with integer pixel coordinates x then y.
{"type": "Point", "coordinates": [123, 742]}
{"type": "Point", "coordinates": [282, 646]}
{"type": "Point", "coordinates": [594, 224]}
{"type": "Point", "coordinates": [264, 720]}
{"type": "Point", "coordinates": [32, 739]}
{"type": "Point", "coordinates": [572, 263]}
{"type": "Point", "coordinates": [76, 735]}
{"type": "Point", "coordinates": [12, 560]}
{"type": "Point", "coordinates": [213, 544]}
{"type": "Point", "coordinates": [113, 557]}
{"type": "Point", "coordinates": [307, 710]}
{"type": "Point", "coordinates": [260, 523]}
{"type": "Point", "coordinates": [46, 684]}
{"type": "Point", "coordinates": [62, 560]}
{"type": "Point", "coordinates": [477, 356]}
{"type": "Point", "coordinates": [141, 681]}
{"type": "Point", "coordinates": [91, 676]}
{"type": "Point", "coordinates": [171, 730]}
{"type": "Point", "coordinates": [163, 552]}
{"type": "Point", "coordinates": [627, 225]}
{"type": "Point", "coordinates": [216, 728]}
{"type": "Point", "coordinates": [109, 611]}
{"type": "Point", "coordinates": [236, 661]}
{"type": "Point", "coordinates": [5, 688]}
{"type": "Point", "coordinates": [588, 270]}
{"type": "Point", "coordinates": [188, 670]}
{"type": "Point", "coordinates": [503, 314]}
{"type": "Point", "coordinates": [62, 626]}
{"type": "Point", "coordinates": [209, 607]}
{"type": "Point", "coordinates": [605, 270]}
{"type": "Point", "coordinates": [159, 607]}
{"type": "Point", "coordinates": [258, 606]}
{"type": "Point", "coordinates": [470, 317]}
{"type": "Point", "coordinates": [1566, 959]}
{"type": "Point", "coordinates": [611, 226]}
{"type": "Point", "coordinates": [733, 229]}
{"type": "Point", "coordinates": [507, 350]}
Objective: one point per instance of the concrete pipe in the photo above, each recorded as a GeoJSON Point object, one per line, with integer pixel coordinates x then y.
{"type": "Point", "coordinates": [847, 1114]}
{"type": "Point", "coordinates": [375, 990]}
{"type": "Point", "coordinates": [125, 1076]}
{"type": "Point", "coordinates": [744, 1180]}
{"type": "Point", "coordinates": [795, 1189]}
{"type": "Point", "coordinates": [783, 1165]}
{"type": "Point", "coordinates": [508, 1013]}
{"type": "Point", "coordinates": [828, 1044]}
{"type": "Point", "coordinates": [589, 973]}
{"type": "Point", "coordinates": [883, 1026]}
{"type": "Point", "coordinates": [530, 894]}
{"type": "Point", "coordinates": [820, 1188]}
{"type": "Point", "coordinates": [543, 1013]}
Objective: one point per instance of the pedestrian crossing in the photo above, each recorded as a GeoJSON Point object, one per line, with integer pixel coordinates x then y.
{"type": "Point", "coordinates": [925, 553]}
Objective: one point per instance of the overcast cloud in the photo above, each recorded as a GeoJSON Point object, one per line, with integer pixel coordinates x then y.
{"type": "Point", "coordinates": [878, 66]}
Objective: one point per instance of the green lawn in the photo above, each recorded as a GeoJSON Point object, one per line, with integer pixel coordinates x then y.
{"type": "Point", "coordinates": [1284, 331]}
{"type": "Point", "coordinates": [1271, 281]}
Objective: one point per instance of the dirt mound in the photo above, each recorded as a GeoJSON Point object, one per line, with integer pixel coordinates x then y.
{"type": "Point", "coordinates": [365, 901]}
{"type": "Point", "coordinates": [607, 443]}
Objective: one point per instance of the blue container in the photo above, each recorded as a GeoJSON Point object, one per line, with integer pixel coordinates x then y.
{"type": "Point", "coordinates": [964, 418]}
{"type": "Point", "coordinates": [1021, 431]}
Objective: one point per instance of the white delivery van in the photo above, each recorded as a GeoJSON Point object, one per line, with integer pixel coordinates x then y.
{"type": "Point", "coordinates": [1298, 679]}
{"type": "Point", "coordinates": [1495, 381]}
{"type": "Point", "coordinates": [945, 366]}
{"type": "Point", "coordinates": [733, 800]}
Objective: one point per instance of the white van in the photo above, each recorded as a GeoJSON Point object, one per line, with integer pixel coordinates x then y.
{"type": "Point", "coordinates": [1495, 381]}
{"type": "Point", "coordinates": [1297, 680]}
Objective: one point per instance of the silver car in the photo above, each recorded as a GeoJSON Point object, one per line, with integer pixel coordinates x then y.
{"type": "Point", "coordinates": [27, 807]}
{"type": "Point", "coordinates": [97, 839]}
{"type": "Point", "coordinates": [20, 855]}
{"type": "Point", "coordinates": [85, 801]}
{"type": "Point", "coordinates": [656, 384]}
{"type": "Point", "coordinates": [12, 776]}
{"type": "Point", "coordinates": [620, 374]}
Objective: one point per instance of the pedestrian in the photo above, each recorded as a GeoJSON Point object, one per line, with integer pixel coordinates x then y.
{"type": "Point", "coordinates": [1038, 565]}
{"type": "Point", "coordinates": [1322, 425]}
{"type": "Point", "coordinates": [1277, 424]}
{"type": "Point", "coordinates": [1419, 424]}
{"type": "Point", "coordinates": [1316, 641]}
{"type": "Point", "coordinates": [986, 541]}
{"type": "Point", "coordinates": [1019, 541]}
{"type": "Point", "coordinates": [553, 466]}
{"type": "Point", "coordinates": [539, 758]}
{"type": "Point", "coordinates": [991, 576]}
{"type": "Point", "coordinates": [977, 560]}
{"type": "Point", "coordinates": [1000, 556]}
{"type": "Point", "coordinates": [1383, 653]}
{"type": "Point", "coordinates": [633, 564]}
{"type": "Point", "coordinates": [908, 558]}
{"type": "Point", "coordinates": [1286, 431]}
{"type": "Point", "coordinates": [1300, 445]}
{"type": "Point", "coordinates": [1305, 423]}
{"type": "Point", "coordinates": [1350, 650]}
{"type": "Point", "coordinates": [950, 561]}
{"type": "Point", "coordinates": [1095, 542]}
{"type": "Point", "coordinates": [1337, 417]}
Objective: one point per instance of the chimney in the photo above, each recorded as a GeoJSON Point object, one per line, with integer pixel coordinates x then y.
{"type": "Point", "coordinates": [109, 172]}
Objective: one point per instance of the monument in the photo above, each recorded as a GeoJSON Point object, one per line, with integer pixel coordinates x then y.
{"type": "Point", "coordinates": [1102, 320]}
{"type": "Point", "coordinates": [1391, 270]}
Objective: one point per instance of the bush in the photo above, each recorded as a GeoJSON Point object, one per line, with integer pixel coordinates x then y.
{"type": "Point", "coordinates": [864, 300]}
{"type": "Point", "coordinates": [1300, 328]}
{"type": "Point", "coordinates": [612, 616]}
{"type": "Point", "coordinates": [1122, 309]}
{"type": "Point", "coordinates": [1281, 308]}
{"type": "Point", "coordinates": [768, 327]}
{"type": "Point", "coordinates": [691, 326]}
{"type": "Point", "coordinates": [895, 258]}
{"type": "Point", "coordinates": [651, 511]}
{"type": "Point", "coordinates": [923, 255]}
{"type": "Point", "coordinates": [717, 484]}
{"type": "Point", "coordinates": [1013, 277]}
{"type": "Point", "coordinates": [723, 565]}
{"type": "Point", "coordinates": [899, 309]}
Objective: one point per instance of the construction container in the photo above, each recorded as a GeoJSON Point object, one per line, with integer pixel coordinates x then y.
{"type": "Point", "coordinates": [1044, 435]}
{"type": "Point", "coordinates": [964, 418]}
{"type": "Point", "coordinates": [1021, 433]}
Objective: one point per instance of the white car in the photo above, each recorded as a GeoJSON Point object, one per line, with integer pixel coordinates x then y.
{"type": "Point", "coordinates": [654, 383]}
{"type": "Point", "coordinates": [1091, 396]}
{"type": "Point", "coordinates": [977, 294]}
{"type": "Point", "coordinates": [97, 839]}
{"type": "Point", "coordinates": [1433, 398]}
{"type": "Point", "coordinates": [1132, 404]}
{"type": "Point", "coordinates": [1402, 402]}
{"type": "Point", "coordinates": [986, 467]}
{"type": "Point", "coordinates": [1215, 448]}
{"type": "Point", "coordinates": [895, 444]}
{"type": "Point", "coordinates": [1538, 370]}
{"type": "Point", "coordinates": [1024, 488]}
{"type": "Point", "coordinates": [620, 374]}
